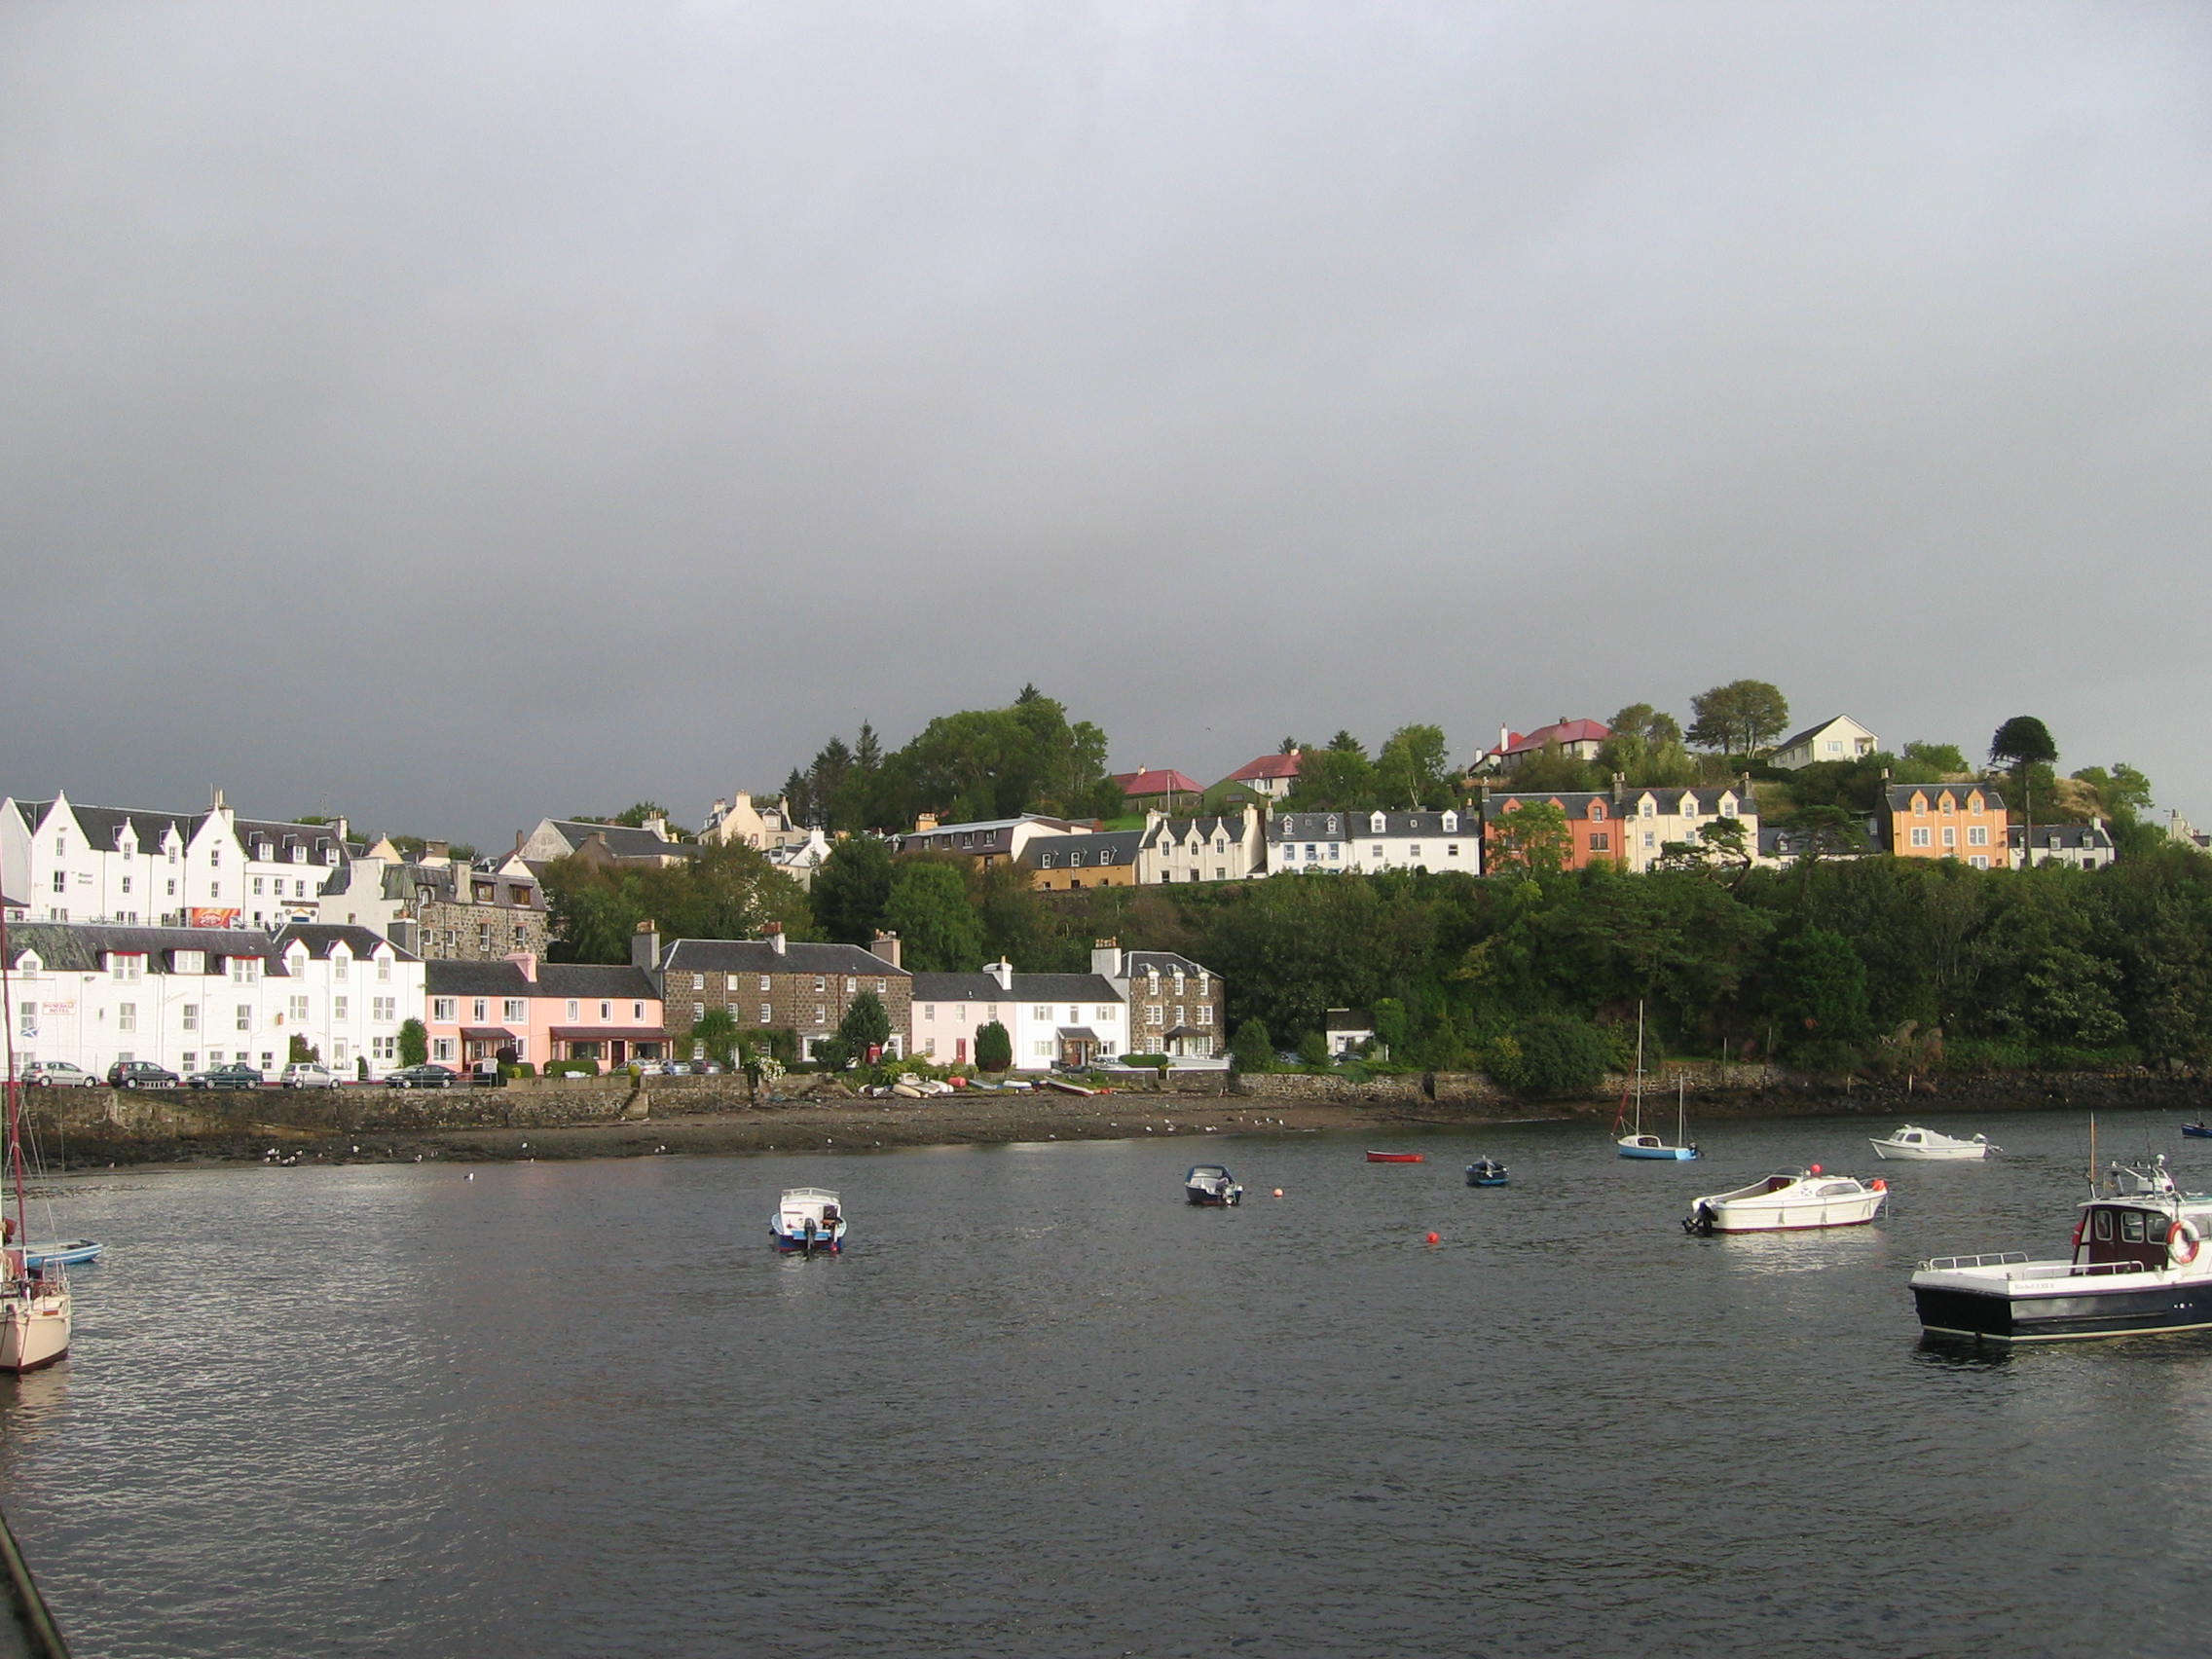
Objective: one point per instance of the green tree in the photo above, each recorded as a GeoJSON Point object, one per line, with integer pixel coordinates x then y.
{"type": "Point", "coordinates": [939, 929]}
{"type": "Point", "coordinates": [866, 1025]}
{"type": "Point", "coordinates": [2020, 746]}
{"type": "Point", "coordinates": [851, 889]}
{"type": "Point", "coordinates": [1740, 718]}
{"type": "Point", "coordinates": [1336, 778]}
{"type": "Point", "coordinates": [834, 1054]}
{"type": "Point", "coordinates": [1944, 760]}
{"type": "Point", "coordinates": [1551, 770]}
{"type": "Point", "coordinates": [1413, 770]}
{"type": "Point", "coordinates": [1252, 1047]}
{"type": "Point", "coordinates": [2124, 793]}
{"type": "Point", "coordinates": [1314, 1048]}
{"type": "Point", "coordinates": [994, 1047]}
{"type": "Point", "coordinates": [1390, 1025]}
{"type": "Point", "coordinates": [413, 1043]}
{"type": "Point", "coordinates": [1532, 837]}
{"type": "Point", "coordinates": [1553, 1054]}
{"type": "Point", "coordinates": [716, 1032]}
{"type": "Point", "coordinates": [1820, 987]}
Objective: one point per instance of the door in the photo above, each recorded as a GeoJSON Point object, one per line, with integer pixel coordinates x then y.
{"type": "Point", "coordinates": [959, 1049]}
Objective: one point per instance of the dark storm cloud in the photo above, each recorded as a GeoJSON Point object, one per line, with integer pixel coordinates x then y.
{"type": "Point", "coordinates": [462, 414]}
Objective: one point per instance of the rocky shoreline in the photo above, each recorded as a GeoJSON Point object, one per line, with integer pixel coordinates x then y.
{"type": "Point", "coordinates": [841, 1124]}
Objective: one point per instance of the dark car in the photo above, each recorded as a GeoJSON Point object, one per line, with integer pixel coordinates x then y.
{"type": "Point", "coordinates": [237, 1075]}
{"type": "Point", "coordinates": [430, 1076]}
{"type": "Point", "coordinates": [140, 1074]}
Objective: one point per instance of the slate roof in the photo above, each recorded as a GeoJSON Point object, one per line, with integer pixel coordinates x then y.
{"type": "Point", "coordinates": [1899, 796]}
{"type": "Point", "coordinates": [1668, 800]}
{"type": "Point", "coordinates": [1101, 850]}
{"type": "Point", "coordinates": [102, 824]}
{"type": "Point", "coordinates": [1025, 988]}
{"type": "Point", "coordinates": [758, 956]}
{"type": "Point", "coordinates": [2078, 837]}
{"type": "Point", "coordinates": [564, 980]}
{"type": "Point", "coordinates": [1139, 962]}
{"type": "Point", "coordinates": [622, 840]}
{"type": "Point", "coordinates": [79, 945]}
{"type": "Point", "coordinates": [317, 838]}
{"type": "Point", "coordinates": [1230, 824]}
{"type": "Point", "coordinates": [1352, 825]}
{"type": "Point", "coordinates": [319, 937]}
{"type": "Point", "coordinates": [1576, 803]}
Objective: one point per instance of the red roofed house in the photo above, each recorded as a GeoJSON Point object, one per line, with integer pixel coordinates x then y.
{"type": "Point", "coordinates": [1271, 776]}
{"type": "Point", "coordinates": [1147, 788]}
{"type": "Point", "coordinates": [1579, 740]}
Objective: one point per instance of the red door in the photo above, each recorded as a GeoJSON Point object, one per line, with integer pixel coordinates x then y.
{"type": "Point", "coordinates": [959, 1049]}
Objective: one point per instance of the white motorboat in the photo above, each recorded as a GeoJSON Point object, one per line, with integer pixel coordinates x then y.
{"type": "Point", "coordinates": [809, 1220]}
{"type": "Point", "coordinates": [1790, 1203]}
{"type": "Point", "coordinates": [1915, 1142]}
{"type": "Point", "coordinates": [2136, 1269]}
{"type": "Point", "coordinates": [34, 1296]}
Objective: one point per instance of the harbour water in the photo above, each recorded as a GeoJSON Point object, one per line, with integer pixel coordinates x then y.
{"type": "Point", "coordinates": [1042, 1407]}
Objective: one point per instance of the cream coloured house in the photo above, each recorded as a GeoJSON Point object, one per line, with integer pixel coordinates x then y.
{"type": "Point", "coordinates": [1652, 817]}
{"type": "Point", "coordinates": [1839, 739]}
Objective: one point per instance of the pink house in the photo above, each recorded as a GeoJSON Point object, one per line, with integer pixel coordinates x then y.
{"type": "Point", "coordinates": [541, 1011]}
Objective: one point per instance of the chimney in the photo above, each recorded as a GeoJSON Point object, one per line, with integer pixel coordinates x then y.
{"type": "Point", "coordinates": [1001, 970]}
{"type": "Point", "coordinates": [886, 946]}
{"type": "Point", "coordinates": [521, 837]}
{"type": "Point", "coordinates": [340, 828]}
{"type": "Point", "coordinates": [645, 946]}
{"type": "Point", "coordinates": [405, 935]}
{"type": "Point", "coordinates": [924, 823]}
{"type": "Point", "coordinates": [1106, 958]}
{"type": "Point", "coordinates": [1620, 787]}
{"type": "Point", "coordinates": [526, 961]}
{"type": "Point", "coordinates": [658, 828]}
{"type": "Point", "coordinates": [215, 799]}
{"type": "Point", "coordinates": [773, 933]}
{"type": "Point", "coordinates": [437, 850]}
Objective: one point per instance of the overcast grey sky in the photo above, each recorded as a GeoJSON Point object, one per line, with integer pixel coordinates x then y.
{"type": "Point", "coordinates": [458, 414]}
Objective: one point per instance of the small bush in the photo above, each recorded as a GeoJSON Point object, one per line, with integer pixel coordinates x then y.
{"type": "Point", "coordinates": [1157, 1062]}
{"type": "Point", "coordinates": [572, 1068]}
{"type": "Point", "coordinates": [1554, 1053]}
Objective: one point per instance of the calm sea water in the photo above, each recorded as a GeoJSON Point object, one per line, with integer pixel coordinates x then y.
{"type": "Point", "coordinates": [1042, 1407]}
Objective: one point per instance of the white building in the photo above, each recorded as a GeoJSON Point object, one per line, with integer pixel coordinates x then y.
{"type": "Point", "coordinates": [68, 862]}
{"type": "Point", "coordinates": [1840, 738]}
{"type": "Point", "coordinates": [190, 998]}
{"type": "Point", "coordinates": [2083, 846]}
{"type": "Point", "coordinates": [1653, 817]}
{"type": "Point", "coordinates": [1366, 843]}
{"type": "Point", "coordinates": [1229, 846]}
{"type": "Point", "coordinates": [1051, 1019]}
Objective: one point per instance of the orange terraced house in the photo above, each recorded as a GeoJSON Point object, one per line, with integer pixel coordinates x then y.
{"type": "Point", "coordinates": [1949, 821]}
{"type": "Point", "coordinates": [1596, 831]}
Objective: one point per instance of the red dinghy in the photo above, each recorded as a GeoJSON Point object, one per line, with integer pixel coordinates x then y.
{"type": "Point", "coordinates": [1394, 1156]}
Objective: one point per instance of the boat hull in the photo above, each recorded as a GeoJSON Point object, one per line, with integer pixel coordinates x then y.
{"type": "Point", "coordinates": [1664, 1154]}
{"type": "Point", "coordinates": [1215, 1200]}
{"type": "Point", "coordinates": [1806, 1218]}
{"type": "Point", "coordinates": [64, 1253]}
{"type": "Point", "coordinates": [1395, 1156]}
{"type": "Point", "coordinates": [34, 1331]}
{"type": "Point", "coordinates": [1928, 1155]}
{"type": "Point", "coordinates": [799, 1244]}
{"type": "Point", "coordinates": [2198, 1131]}
{"type": "Point", "coordinates": [2018, 1313]}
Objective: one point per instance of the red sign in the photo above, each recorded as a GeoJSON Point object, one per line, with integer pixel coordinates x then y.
{"type": "Point", "coordinates": [212, 918]}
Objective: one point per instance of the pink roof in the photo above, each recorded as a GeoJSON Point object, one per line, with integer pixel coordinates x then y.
{"type": "Point", "coordinates": [1562, 733]}
{"type": "Point", "coordinates": [1267, 767]}
{"type": "Point", "coordinates": [1152, 782]}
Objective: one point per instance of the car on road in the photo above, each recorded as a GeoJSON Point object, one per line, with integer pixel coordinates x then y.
{"type": "Point", "coordinates": [140, 1074]}
{"type": "Point", "coordinates": [237, 1075]}
{"type": "Point", "coordinates": [308, 1074]}
{"type": "Point", "coordinates": [57, 1074]}
{"type": "Point", "coordinates": [428, 1076]}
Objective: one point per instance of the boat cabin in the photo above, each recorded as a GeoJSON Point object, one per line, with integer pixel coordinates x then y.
{"type": "Point", "coordinates": [2125, 1231]}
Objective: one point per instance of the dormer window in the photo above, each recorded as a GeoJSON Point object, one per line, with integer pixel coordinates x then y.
{"type": "Point", "coordinates": [1596, 811]}
{"type": "Point", "coordinates": [263, 851]}
{"type": "Point", "coordinates": [1451, 824]}
{"type": "Point", "coordinates": [1949, 805]}
{"type": "Point", "coordinates": [330, 854]}
{"type": "Point", "coordinates": [1647, 808]}
{"type": "Point", "coordinates": [1375, 823]}
{"type": "Point", "coordinates": [299, 852]}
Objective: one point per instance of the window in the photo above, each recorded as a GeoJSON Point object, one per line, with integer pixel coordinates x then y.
{"type": "Point", "coordinates": [572, 1011]}
{"type": "Point", "coordinates": [384, 1007]}
{"type": "Point", "coordinates": [512, 1008]}
{"type": "Point", "coordinates": [698, 1011]}
{"type": "Point", "coordinates": [442, 1008]}
{"type": "Point", "coordinates": [338, 1009]}
{"type": "Point", "coordinates": [1950, 836]}
{"type": "Point", "coordinates": [126, 1016]}
{"type": "Point", "coordinates": [384, 970]}
{"type": "Point", "coordinates": [1978, 835]}
{"type": "Point", "coordinates": [257, 887]}
{"type": "Point", "coordinates": [441, 1048]}
{"type": "Point", "coordinates": [605, 1011]}
{"type": "Point", "coordinates": [190, 1020]}
{"type": "Point", "coordinates": [729, 981]}
{"type": "Point", "coordinates": [1920, 836]}
{"type": "Point", "coordinates": [637, 1011]}
{"type": "Point", "coordinates": [191, 1060]}
{"type": "Point", "coordinates": [883, 987]}
{"type": "Point", "coordinates": [1205, 1013]}
{"type": "Point", "coordinates": [383, 1049]}
{"type": "Point", "coordinates": [1378, 849]}
{"type": "Point", "coordinates": [765, 1014]}
{"type": "Point", "coordinates": [246, 1016]}
{"type": "Point", "coordinates": [1601, 842]}
{"type": "Point", "coordinates": [172, 893]}
{"type": "Point", "coordinates": [61, 881]}
{"type": "Point", "coordinates": [1334, 850]}
{"type": "Point", "coordinates": [481, 1010]}
{"type": "Point", "coordinates": [125, 966]}
{"type": "Point", "coordinates": [1980, 860]}
{"type": "Point", "coordinates": [27, 1016]}
{"type": "Point", "coordinates": [820, 1014]}
{"type": "Point", "coordinates": [1106, 1012]}
{"type": "Point", "coordinates": [1413, 850]}
{"type": "Point", "coordinates": [299, 1011]}
{"type": "Point", "coordinates": [930, 1013]}
{"type": "Point", "coordinates": [1043, 1048]}
{"type": "Point", "coordinates": [766, 983]}
{"type": "Point", "coordinates": [1152, 1014]}
{"type": "Point", "coordinates": [245, 970]}
{"type": "Point", "coordinates": [820, 984]}
{"type": "Point", "coordinates": [483, 936]}
{"type": "Point", "coordinates": [126, 884]}
{"type": "Point", "coordinates": [1040, 1011]}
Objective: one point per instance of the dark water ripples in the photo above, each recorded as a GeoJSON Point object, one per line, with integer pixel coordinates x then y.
{"type": "Point", "coordinates": [1041, 1407]}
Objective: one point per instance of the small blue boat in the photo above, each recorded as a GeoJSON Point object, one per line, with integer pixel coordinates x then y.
{"type": "Point", "coordinates": [66, 1253]}
{"type": "Point", "coordinates": [2199, 1131]}
{"type": "Point", "coordinates": [1487, 1172]}
{"type": "Point", "coordinates": [810, 1221]}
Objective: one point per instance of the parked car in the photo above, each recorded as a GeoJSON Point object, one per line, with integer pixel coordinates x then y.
{"type": "Point", "coordinates": [308, 1074]}
{"type": "Point", "coordinates": [140, 1074]}
{"type": "Point", "coordinates": [57, 1074]}
{"type": "Point", "coordinates": [237, 1075]}
{"type": "Point", "coordinates": [429, 1076]}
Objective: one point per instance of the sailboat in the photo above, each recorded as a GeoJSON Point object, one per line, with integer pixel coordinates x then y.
{"type": "Point", "coordinates": [34, 1300]}
{"type": "Point", "coordinates": [1636, 1143]}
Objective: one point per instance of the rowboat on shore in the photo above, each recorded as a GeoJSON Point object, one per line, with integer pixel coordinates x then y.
{"type": "Point", "coordinates": [63, 1252]}
{"type": "Point", "coordinates": [1394, 1158]}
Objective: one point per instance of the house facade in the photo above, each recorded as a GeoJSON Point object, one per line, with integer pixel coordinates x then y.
{"type": "Point", "coordinates": [64, 862]}
{"type": "Point", "coordinates": [762, 827]}
{"type": "Point", "coordinates": [191, 998]}
{"type": "Point", "coordinates": [1595, 827]}
{"type": "Point", "coordinates": [987, 842]}
{"type": "Point", "coordinates": [1176, 1007]}
{"type": "Point", "coordinates": [1161, 788]}
{"type": "Point", "coordinates": [773, 983]}
{"type": "Point", "coordinates": [1580, 739]}
{"type": "Point", "coordinates": [1840, 738]}
{"type": "Point", "coordinates": [1063, 864]}
{"type": "Point", "coordinates": [1229, 846]}
{"type": "Point", "coordinates": [647, 846]}
{"type": "Point", "coordinates": [1949, 821]}
{"type": "Point", "coordinates": [521, 1009]}
{"type": "Point", "coordinates": [1271, 777]}
{"type": "Point", "coordinates": [443, 909]}
{"type": "Point", "coordinates": [2081, 846]}
{"type": "Point", "coordinates": [1651, 818]}
{"type": "Point", "coordinates": [1368, 842]}
{"type": "Point", "coordinates": [1074, 1019]}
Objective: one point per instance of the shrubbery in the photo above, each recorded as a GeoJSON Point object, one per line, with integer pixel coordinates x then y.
{"type": "Point", "coordinates": [1552, 1053]}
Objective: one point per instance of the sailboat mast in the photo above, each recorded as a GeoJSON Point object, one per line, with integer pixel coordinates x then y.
{"type": "Point", "coordinates": [15, 1084]}
{"type": "Point", "coordinates": [1640, 1067]}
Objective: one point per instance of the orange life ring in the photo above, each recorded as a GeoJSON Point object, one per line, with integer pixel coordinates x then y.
{"type": "Point", "coordinates": [2181, 1243]}
{"type": "Point", "coordinates": [2077, 1226]}
{"type": "Point", "coordinates": [1880, 1185]}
